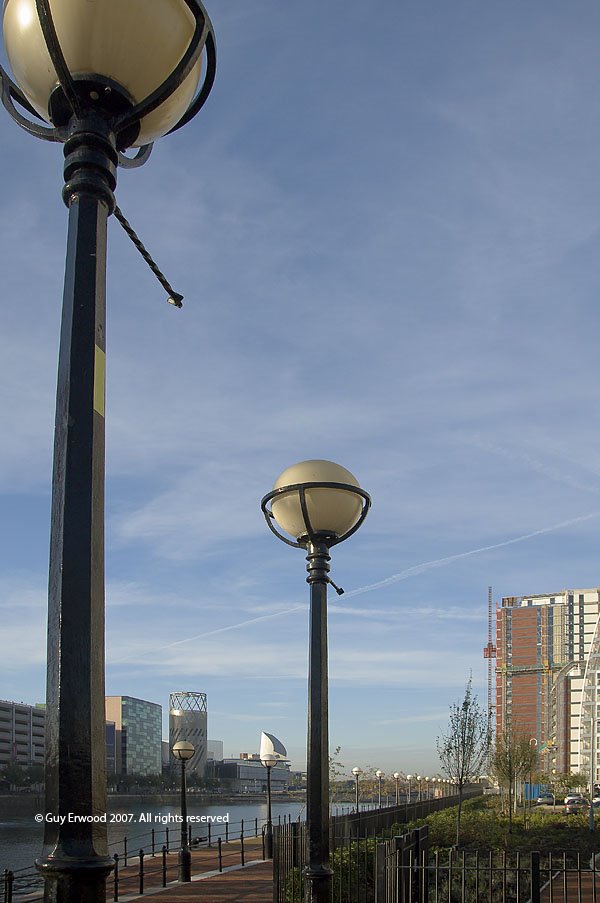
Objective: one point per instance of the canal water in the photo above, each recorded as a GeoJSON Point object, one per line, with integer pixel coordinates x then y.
{"type": "Point", "coordinates": [21, 835]}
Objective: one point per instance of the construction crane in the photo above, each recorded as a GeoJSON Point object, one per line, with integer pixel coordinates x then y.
{"type": "Point", "coordinates": [489, 652]}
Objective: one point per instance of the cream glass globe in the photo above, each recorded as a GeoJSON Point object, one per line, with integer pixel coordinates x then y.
{"type": "Point", "coordinates": [331, 511]}
{"type": "Point", "coordinates": [136, 43]}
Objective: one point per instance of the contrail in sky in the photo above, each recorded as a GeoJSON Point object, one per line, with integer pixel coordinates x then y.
{"type": "Point", "coordinates": [440, 562]}
{"type": "Point", "coordinates": [413, 571]}
{"type": "Point", "coordinates": [199, 636]}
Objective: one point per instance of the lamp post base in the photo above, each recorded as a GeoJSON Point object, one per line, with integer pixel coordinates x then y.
{"type": "Point", "coordinates": [75, 880]}
{"type": "Point", "coordinates": [317, 884]}
{"type": "Point", "coordinates": [185, 865]}
{"type": "Point", "coordinates": [269, 842]}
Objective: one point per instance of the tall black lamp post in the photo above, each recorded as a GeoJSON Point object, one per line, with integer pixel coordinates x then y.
{"type": "Point", "coordinates": [357, 773]}
{"type": "Point", "coordinates": [184, 751]}
{"type": "Point", "coordinates": [269, 761]}
{"type": "Point", "coordinates": [319, 504]}
{"type": "Point", "coordinates": [104, 77]}
{"type": "Point", "coordinates": [397, 777]}
{"type": "Point", "coordinates": [379, 774]}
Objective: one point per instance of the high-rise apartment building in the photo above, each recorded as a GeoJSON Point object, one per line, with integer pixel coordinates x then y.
{"type": "Point", "coordinates": [22, 731]}
{"type": "Point", "coordinates": [137, 734]}
{"type": "Point", "coordinates": [546, 673]}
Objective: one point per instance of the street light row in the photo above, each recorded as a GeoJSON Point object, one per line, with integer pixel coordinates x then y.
{"type": "Point", "coordinates": [398, 777]}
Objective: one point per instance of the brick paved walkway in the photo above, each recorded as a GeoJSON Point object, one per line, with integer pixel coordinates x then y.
{"type": "Point", "coordinates": [253, 882]}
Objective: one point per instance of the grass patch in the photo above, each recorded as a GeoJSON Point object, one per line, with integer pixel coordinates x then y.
{"type": "Point", "coordinates": [485, 827]}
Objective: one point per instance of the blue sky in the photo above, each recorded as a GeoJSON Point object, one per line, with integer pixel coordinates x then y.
{"type": "Point", "coordinates": [385, 224]}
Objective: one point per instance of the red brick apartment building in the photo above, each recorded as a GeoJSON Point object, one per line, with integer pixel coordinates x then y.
{"type": "Point", "coordinates": [547, 658]}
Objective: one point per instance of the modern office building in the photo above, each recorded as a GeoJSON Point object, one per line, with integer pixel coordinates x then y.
{"type": "Point", "coordinates": [547, 659]}
{"type": "Point", "coordinates": [138, 734]}
{"type": "Point", "coordinates": [188, 717]}
{"type": "Point", "coordinates": [22, 733]}
{"type": "Point", "coordinates": [248, 775]}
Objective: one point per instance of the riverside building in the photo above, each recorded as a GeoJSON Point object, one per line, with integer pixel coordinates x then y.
{"type": "Point", "coordinates": [188, 717]}
{"type": "Point", "coordinates": [137, 734]}
{"type": "Point", "coordinates": [22, 733]}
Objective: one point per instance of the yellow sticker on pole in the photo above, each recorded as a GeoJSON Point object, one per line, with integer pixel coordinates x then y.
{"type": "Point", "coordinates": [99, 380]}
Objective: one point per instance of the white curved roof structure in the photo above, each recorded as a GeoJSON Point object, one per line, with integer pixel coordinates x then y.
{"type": "Point", "coordinates": [271, 746]}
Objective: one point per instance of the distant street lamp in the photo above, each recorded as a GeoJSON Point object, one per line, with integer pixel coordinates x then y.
{"type": "Point", "coordinates": [427, 787]}
{"type": "Point", "coordinates": [397, 777]}
{"type": "Point", "coordinates": [105, 77]}
{"type": "Point", "coordinates": [409, 779]}
{"type": "Point", "coordinates": [380, 776]}
{"type": "Point", "coordinates": [420, 796]}
{"type": "Point", "coordinates": [269, 761]}
{"type": "Point", "coordinates": [184, 751]}
{"type": "Point", "coordinates": [319, 504]}
{"type": "Point", "coordinates": [356, 772]}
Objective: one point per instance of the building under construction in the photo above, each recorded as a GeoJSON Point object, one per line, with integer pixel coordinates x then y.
{"type": "Point", "coordinates": [546, 664]}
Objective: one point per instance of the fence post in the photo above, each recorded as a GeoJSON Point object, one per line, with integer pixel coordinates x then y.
{"type": "Point", "coordinates": [535, 878]}
{"type": "Point", "coordinates": [141, 871]}
{"type": "Point", "coordinates": [242, 847]}
{"type": "Point", "coordinates": [9, 886]}
{"type": "Point", "coordinates": [164, 866]}
{"type": "Point", "coordinates": [116, 877]}
{"type": "Point", "coordinates": [380, 854]}
{"type": "Point", "coordinates": [220, 843]}
{"type": "Point", "coordinates": [416, 845]}
{"type": "Point", "coordinates": [256, 827]}
{"type": "Point", "coordinates": [167, 838]}
{"type": "Point", "coordinates": [125, 851]}
{"type": "Point", "coordinates": [226, 832]}
{"type": "Point", "coordinates": [209, 836]}
{"type": "Point", "coordinates": [295, 839]}
{"type": "Point", "coordinates": [152, 841]}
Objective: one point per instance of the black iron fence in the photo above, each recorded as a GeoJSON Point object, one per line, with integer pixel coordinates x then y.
{"type": "Point", "coordinates": [403, 869]}
{"type": "Point", "coordinates": [407, 872]}
{"type": "Point", "coordinates": [353, 844]}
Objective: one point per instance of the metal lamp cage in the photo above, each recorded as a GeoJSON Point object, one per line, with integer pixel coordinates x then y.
{"type": "Point", "coordinates": [312, 535]}
{"type": "Point", "coordinates": [125, 122]}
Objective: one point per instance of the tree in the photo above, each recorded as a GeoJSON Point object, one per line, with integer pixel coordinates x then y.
{"type": "Point", "coordinates": [15, 775]}
{"type": "Point", "coordinates": [512, 757]}
{"type": "Point", "coordinates": [336, 770]}
{"type": "Point", "coordinates": [464, 748]}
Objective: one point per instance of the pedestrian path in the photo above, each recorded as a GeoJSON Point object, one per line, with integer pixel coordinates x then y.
{"type": "Point", "coordinates": [218, 870]}
{"type": "Point", "coordinates": [572, 887]}
{"type": "Point", "coordinates": [252, 884]}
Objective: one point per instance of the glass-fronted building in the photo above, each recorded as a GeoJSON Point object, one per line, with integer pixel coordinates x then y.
{"type": "Point", "coordinates": [138, 734]}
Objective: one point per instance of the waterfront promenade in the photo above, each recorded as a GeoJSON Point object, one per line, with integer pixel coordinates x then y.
{"type": "Point", "coordinates": [230, 872]}
{"type": "Point", "coordinates": [233, 873]}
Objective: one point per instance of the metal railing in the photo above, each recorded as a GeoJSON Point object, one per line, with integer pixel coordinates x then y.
{"type": "Point", "coordinates": [408, 873]}
{"type": "Point", "coordinates": [353, 845]}
{"type": "Point", "coordinates": [151, 862]}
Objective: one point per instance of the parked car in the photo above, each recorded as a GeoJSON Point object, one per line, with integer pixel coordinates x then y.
{"type": "Point", "coordinates": [545, 799]}
{"type": "Point", "coordinates": [576, 805]}
{"type": "Point", "coordinates": [573, 795]}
